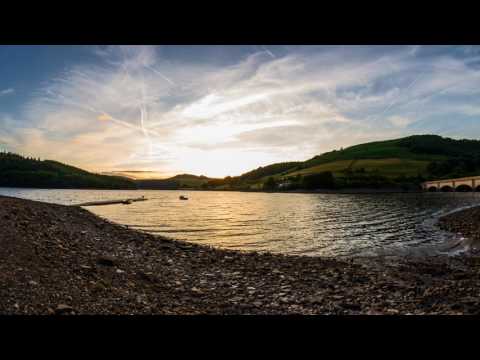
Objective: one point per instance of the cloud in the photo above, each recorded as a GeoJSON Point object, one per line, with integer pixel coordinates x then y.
{"type": "Point", "coordinates": [7, 91]}
{"type": "Point", "coordinates": [136, 109]}
{"type": "Point", "coordinates": [400, 121]}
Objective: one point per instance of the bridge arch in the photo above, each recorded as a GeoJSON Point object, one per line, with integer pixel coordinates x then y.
{"type": "Point", "coordinates": [446, 188]}
{"type": "Point", "coordinates": [463, 188]}
{"type": "Point", "coordinates": [464, 184]}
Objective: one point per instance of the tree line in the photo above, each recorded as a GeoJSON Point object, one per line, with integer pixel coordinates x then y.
{"type": "Point", "coordinates": [20, 171]}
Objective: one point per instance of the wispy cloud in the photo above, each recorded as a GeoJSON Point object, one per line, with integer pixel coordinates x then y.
{"type": "Point", "coordinates": [134, 109]}
{"type": "Point", "coordinates": [6, 91]}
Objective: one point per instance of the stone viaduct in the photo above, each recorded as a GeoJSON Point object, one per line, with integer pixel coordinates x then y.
{"type": "Point", "coordinates": [471, 183]}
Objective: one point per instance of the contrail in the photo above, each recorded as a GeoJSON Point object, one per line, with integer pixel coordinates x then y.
{"type": "Point", "coordinates": [144, 131]}
{"type": "Point", "coordinates": [141, 103]}
{"type": "Point", "coordinates": [268, 51]}
{"type": "Point", "coordinates": [438, 92]}
{"type": "Point", "coordinates": [102, 115]}
{"type": "Point", "coordinates": [143, 110]}
{"type": "Point", "coordinates": [396, 99]}
{"type": "Point", "coordinates": [143, 118]}
{"type": "Point", "coordinates": [160, 74]}
{"type": "Point", "coordinates": [389, 106]}
{"type": "Point", "coordinates": [127, 124]}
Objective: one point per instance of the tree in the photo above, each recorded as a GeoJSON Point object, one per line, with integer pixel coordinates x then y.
{"type": "Point", "coordinates": [270, 184]}
{"type": "Point", "coordinates": [323, 180]}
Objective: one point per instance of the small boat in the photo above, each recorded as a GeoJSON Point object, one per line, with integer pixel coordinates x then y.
{"type": "Point", "coordinates": [183, 197]}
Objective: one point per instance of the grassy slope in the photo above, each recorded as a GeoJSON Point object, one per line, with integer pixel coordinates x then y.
{"type": "Point", "coordinates": [408, 156]}
{"type": "Point", "coordinates": [390, 167]}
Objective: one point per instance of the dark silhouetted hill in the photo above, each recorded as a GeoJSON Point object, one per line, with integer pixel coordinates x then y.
{"type": "Point", "coordinates": [19, 171]}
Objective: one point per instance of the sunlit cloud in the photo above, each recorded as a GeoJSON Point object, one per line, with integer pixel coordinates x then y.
{"type": "Point", "coordinates": [400, 121]}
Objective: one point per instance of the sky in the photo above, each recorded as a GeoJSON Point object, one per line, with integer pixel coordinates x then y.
{"type": "Point", "coordinates": [225, 110]}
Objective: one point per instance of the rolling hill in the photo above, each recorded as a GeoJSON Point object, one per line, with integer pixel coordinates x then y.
{"type": "Point", "coordinates": [401, 162]}
{"type": "Point", "coordinates": [176, 182]}
{"type": "Point", "coordinates": [19, 171]}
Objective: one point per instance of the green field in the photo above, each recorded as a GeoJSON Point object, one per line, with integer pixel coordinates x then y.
{"type": "Point", "coordinates": [400, 160]}
{"type": "Point", "coordinates": [390, 167]}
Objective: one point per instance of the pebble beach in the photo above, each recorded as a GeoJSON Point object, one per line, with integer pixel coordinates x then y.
{"type": "Point", "coordinates": [63, 260]}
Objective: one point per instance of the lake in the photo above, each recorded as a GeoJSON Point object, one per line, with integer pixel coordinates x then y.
{"type": "Point", "coordinates": [336, 225]}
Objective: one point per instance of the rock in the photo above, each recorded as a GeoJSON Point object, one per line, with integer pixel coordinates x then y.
{"type": "Point", "coordinates": [63, 309]}
{"type": "Point", "coordinates": [350, 306]}
{"type": "Point", "coordinates": [393, 311]}
{"type": "Point", "coordinates": [197, 291]}
{"type": "Point", "coordinates": [106, 260]}
{"type": "Point", "coordinates": [316, 299]}
{"type": "Point", "coordinates": [147, 276]}
{"type": "Point", "coordinates": [33, 283]}
{"type": "Point", "coordinates": [98, 286]}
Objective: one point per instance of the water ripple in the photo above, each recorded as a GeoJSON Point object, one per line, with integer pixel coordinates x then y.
{"type": "Point", "coordinates": [302, 224]}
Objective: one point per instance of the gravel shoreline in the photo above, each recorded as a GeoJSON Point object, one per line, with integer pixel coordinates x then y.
{"type": "Point", "coordinates": [65, 260]}
{"type": "Point", "coordinates": [465, 223]}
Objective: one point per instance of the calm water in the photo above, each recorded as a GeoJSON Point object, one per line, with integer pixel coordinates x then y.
{"type": "Point", "coordinates": [307, 224]}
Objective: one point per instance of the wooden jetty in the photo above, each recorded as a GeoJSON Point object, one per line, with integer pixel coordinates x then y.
{"type": "Point", "coordinates": [112, 202]}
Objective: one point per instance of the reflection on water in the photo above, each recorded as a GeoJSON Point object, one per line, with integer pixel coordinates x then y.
{"type": "Point", "coordinates": [307, 224]}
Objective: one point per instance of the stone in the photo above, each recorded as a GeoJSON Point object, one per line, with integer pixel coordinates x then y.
{"type": "Point", "coordinates": [63, 308]}
{"type": "Point", "coordinates": [197, 291]}
{"type": "Point", "coordinates": [317, 299]}
{"type": "Point", "coordinates": [106, 260]}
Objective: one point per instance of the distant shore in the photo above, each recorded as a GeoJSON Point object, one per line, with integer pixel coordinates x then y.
{"type": "Point", "coordinates": [317, 191]}
{"type": "Point", "coordinates": [65, 260]}
{"type": "Point", "coordinates": [299, 191]}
